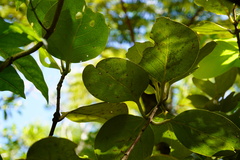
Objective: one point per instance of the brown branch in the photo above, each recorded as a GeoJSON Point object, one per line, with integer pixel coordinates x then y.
{"type": "Point", "coordinates": [149, 120]}
{"type": "Point", "coordinates": [237, 31]}
{"type": "Point", "coordinates": [56, 115]}
{"type": "Point", "coordinates": [49, 32]}
{"type": "Point", "coordinates": [193, 19]}
{"type": "Point", "coordinates": [128, 22]}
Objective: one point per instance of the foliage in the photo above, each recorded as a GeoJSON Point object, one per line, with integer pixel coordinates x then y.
{"type": "Point", "coordinates": [174, 51]}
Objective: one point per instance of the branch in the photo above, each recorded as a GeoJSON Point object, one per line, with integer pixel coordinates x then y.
{"type": "Point", "coordinates": [128, 22]}
{"type": "Point", "coordinates": [150, 118]}
{"type": "Point", "coordinates": [49, 32]}
{"type": "Point", "coordinates": [192, 20]}
{"type": "Point", "coordinates": [237, 31]}
{"type": "Point", "coordinates": [56, 115]}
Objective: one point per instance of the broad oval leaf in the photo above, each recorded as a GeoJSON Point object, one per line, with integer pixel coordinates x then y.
{"type": "Point", "coordinates": [175, 51]}
{"type": "Point", "coordinates": [52, 148]}
{"type": "Point", "coordinates": [117, 135]}
{"type": "Point", "coordinates": [115, 80]}
{"type": "Point", "coordinates": [11, 81]}
{"type": "Point", "coordinates": [223, 57]}
{"type": "Point", "coordinates": [29, 68]}
{"type": "Point", "coordinates": [80, 34]}
{"type": "Point", "coordinates": [205, 132]}
{"type": "Point", "coordinates": [222, 7]}
{"type": "Point", "coordinates": [99, 112]}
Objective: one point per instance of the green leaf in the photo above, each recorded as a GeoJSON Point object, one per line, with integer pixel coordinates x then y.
{"type": "Point", "coordinates": [40, 7]}
{"type": "Point", "coordinates": [198, 101]}
{"type": "Point", "coordinates": [205, 132]}
{"type": "Point", "coordinates": [52, 148]}
{"type": "Point", "coordinates": [80, 34]}
{"type": "Point", "coordinates": [175, 51]}
{"type": "Point", "coordinates": [204, 51]}
{"type": "Point", "coordinates": [29, 68]}
{"type": "Point", "coordinates": [12, 35]}
{"type": "Point", "coordinates": [161, 157]}
{"type": "Point", "coordinates": [221, 7]}
{"type": "Point", "coordinates": [223, 57]}
{"type": "Point", "coordinates": [164, 134]}
{"type": "Point", "coordinates": [99, 112]}
{"type": "Point", "coordinates": [135, 53]}
{"type": "Point", "coordinates": [225, 81]}
{"type": "Point", "coordinates": [47, 60]}
{"type": "Point", "coordinates": [206, 86]}
{"type": "Point", "coordinates": [206, 27]}
{"type": "Point", "coordinates": [230, 102]}
{"type": "Point", "coordinates": [117, 135]}
{"type": "Point", "coordinates": [115, 80]}
{"type": "Point", "coordinates": [11, 81]}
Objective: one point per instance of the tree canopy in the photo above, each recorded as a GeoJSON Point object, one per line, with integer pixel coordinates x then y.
{"type": "Point", "coordinates": [154, 79]}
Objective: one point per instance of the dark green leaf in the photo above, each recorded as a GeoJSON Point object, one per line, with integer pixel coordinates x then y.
{"type": "Point", "coordinates": [40, 7]}
{"type": "Point", "coordinates": [222, 7]}
{"type": "Point", "coordinates": [198, 101]}
{"type": "Point", "coordinates": [52, 148]}
{"type": "Point", "coordinates": [80, 34]}
{"type": "Point", "coordinates": [223, 57]}
{"type": "Point", "coordinates": [164, 134]}
{"type": "Point", "coordinates": [99, 112]}
{"type": "Point", "coordinates": [206, 86]}
{"type": "Point", "coordinates": [11, 35]}
{"type": "Point", "coordinates": [11, 81]}
{"type": "Point", "coordinates": [225, 81]}
{"type": "Point", "coordinates": [135, 53]}
{"type": "Point", "coordinates": [205, 132]}
{"type": "Point", "coordinates": [117, 135]}
{"type": "Point", "coordinates": [29, 68]}
{"type": "Point", "coordinates": [175, 51]}
{"type": "Point", "coordinates": [230, 102]}
{"type": "Point", "coordinates": [115, 80]}
{"type": "Point", "coordinates": [161, 157]}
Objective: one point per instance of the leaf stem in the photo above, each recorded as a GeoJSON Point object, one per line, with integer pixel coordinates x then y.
{"type": "Point", "coordinates": [49, 32]}
{"type": "Point", "coordinates": [237, 31]}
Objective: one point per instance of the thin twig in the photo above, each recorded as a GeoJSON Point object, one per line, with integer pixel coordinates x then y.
{"type": "Point", "coordinates": [129, 24]}
{"type": "Point", "coordinates": [49, 32]}
{"type": "Point", "coordinates": [192, 20]}
{"type": "Point", "coordinates": [237, 31]}
{"type": "Point", "coordinates": [56, 115]}
{"type": "Point", "coordinates": [35, 14]}
{"type": "Point", "coordinates": [149, 120]}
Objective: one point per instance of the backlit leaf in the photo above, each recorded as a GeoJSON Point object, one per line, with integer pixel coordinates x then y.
{"type": "Point", "coordinates": [11, 81]}
{"type": "Point", "coordinates": [12, 35]}
{"type": "Point", "coordinates": [222, 7]}
{"type": "Point", "coordinates": [80, 34]}
{"type": "Point", "coordinates": [205, 132]}
{"type": "Point", "coordinates": [117, 135]}
{"type": "Point", "coordinates": [29, 68]}
{"type": "Point", "coordinates": [175, 51]}
{"type": "Point", "coordinates": [47, 60]}
{"type": "Point", "coordinates": [206, 27]}
{"type": "Point", "coordinates": [115, 80]}
{"type": "Point", "coordinates": [99, 112]}
{"type": "Point", "coordinates": [135, 53]}
{"type": "Point", "coordinates": [52, 148]}
{"type": "Point", "coordinates": [223, 57]}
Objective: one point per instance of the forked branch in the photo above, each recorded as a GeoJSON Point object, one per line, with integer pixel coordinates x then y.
{"type": "Point", "coordinates": [49, 32]}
